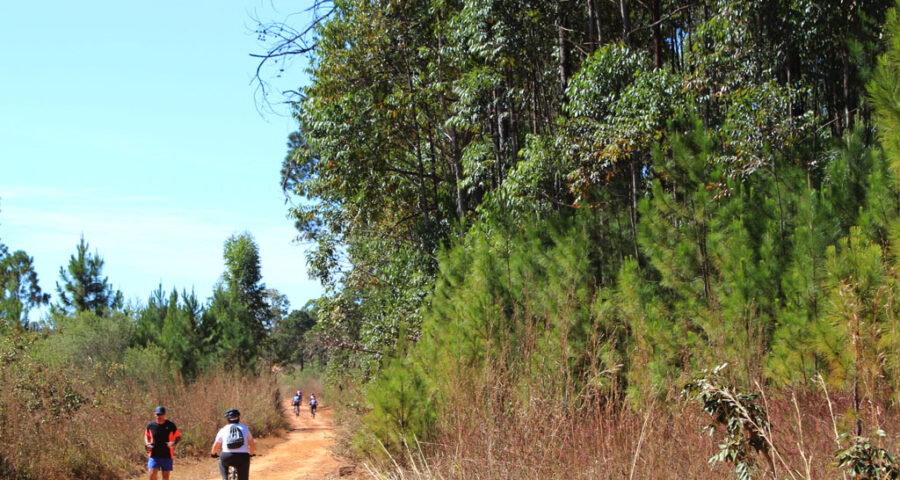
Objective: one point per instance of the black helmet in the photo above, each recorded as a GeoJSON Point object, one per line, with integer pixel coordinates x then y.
{"type": "Point", "coordinates": [232, 413]}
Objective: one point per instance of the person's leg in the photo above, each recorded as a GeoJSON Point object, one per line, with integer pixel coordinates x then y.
{"type": "Point", "coordinates": [165, 466]}
{"type": "Point", "coordinates": [222, 469]}
{"type": "Point", "coordinates": [243, 468]}
{"type": "Point", "coordinates": [151, 468]}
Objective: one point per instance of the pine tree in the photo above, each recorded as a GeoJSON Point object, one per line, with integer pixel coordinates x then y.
{"type": "Point", "coordinates": [179, 333]}
{"type": "Point", "coordinates": [83, 286]}
{"type": "Point", "coordinates": [675, 230]}
{"type": "Point", "coordinates": [151, 317]}
{"type": "Point", "coordinates": [793, 355]}
{"type": "Point", "coordinates": [848, 336]}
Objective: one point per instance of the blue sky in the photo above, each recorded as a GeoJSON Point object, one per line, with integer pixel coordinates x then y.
{"type": "Point", "coordinates": [135, 124]}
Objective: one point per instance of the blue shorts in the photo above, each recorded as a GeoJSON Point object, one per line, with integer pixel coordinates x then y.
{"type": "Point", "coordinates": [164, 464]}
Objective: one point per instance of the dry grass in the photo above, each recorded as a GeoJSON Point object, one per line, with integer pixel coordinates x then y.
{"type": "Point", "coordinates": [662, 443]}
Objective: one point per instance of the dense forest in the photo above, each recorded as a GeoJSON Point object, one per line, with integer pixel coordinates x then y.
{"type": "Point", "coordinates": [582, 206]}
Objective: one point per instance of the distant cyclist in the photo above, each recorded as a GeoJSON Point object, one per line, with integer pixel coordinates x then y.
{"type": "Point", "coordinates": [236, 443]}
{"type": "Point", "coordinates": [295, 402]}
{"type": "Point", "coordinates": [313, 403]}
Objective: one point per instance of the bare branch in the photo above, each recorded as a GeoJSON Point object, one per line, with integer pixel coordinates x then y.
{"type": "Point", "coordinates": [286, 42]}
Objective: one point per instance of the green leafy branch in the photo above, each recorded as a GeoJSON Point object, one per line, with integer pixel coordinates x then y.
{"type": "Point", "coordinates": [865, 461]}
{"type": "Point", "coordinates": [746, 424]}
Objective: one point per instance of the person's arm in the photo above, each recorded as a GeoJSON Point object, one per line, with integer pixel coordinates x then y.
{"type": "Point", "coordinates": [176, 437]}
{"type": "Point", "coordinates": [217, 443]}
{"type": "Point", "coordinates": [148, 439]}
{"type": "Point", "coordinates": [251, 446]}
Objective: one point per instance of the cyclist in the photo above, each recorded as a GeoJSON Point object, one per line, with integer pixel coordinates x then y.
{"type": "Point", "coordinates": [160, 437]}
{"type": "Point", "coordinates": [295, 402]}
{"type": "Point", "coordinates": [236, 443]}
{"type": "Point", "coordinates": [313, 403]}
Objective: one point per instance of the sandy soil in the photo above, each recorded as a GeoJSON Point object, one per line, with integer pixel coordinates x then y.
{"type": "Point", "coordinates": [302, 453]}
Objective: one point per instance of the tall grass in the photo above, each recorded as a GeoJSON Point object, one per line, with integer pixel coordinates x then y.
{"type": "Point", "coordinates": [664, 441]}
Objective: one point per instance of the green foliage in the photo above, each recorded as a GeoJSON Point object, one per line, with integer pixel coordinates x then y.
{"type": "Point", "coordinates": [19, 289]}
{"type": "Point", "coordinates": [149, 365]}
{"type": "Point", "coordinates": [403, 412]}
{"type": "Point", "coordinates": [522, 306]}
{"type": "Point", "coordinates": [243, 279]}
{"type": "Point", "coordinates": [231, 340]}
{"type": "Point", "coordinates": [866, 461]}
{"type": "Point", "coordinates": [83, 286]}
{"type": "Point", "coordinates": [179, 334]}
{"type": "Point", "coordinates": [233, 327]}
{"type": "Point", "coordinates": [150, 318]}
{"type": "Point", "coordinates": [885, 94]}
{"type": "Point", "coordinates": [290, 344]}
{"type": "Point", "coordinates": [855, 280]}
{"type": "Point", "coordinates": [745, 422]}
{"type": "Point", "coordinates": [86, 339]}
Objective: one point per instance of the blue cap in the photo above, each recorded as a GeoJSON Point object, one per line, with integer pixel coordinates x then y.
{"type": "Point", "coordinates": [160, 410]}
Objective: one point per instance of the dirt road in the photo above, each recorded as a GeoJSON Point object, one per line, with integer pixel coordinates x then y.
{"type": "Point", "coordinates": [301, 454]}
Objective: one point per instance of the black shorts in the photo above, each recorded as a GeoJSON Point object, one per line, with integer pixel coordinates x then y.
{"type": "Point", "coordinates": [240, 461]}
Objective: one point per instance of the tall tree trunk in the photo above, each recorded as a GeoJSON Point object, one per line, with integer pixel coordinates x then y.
{"type": "Point", "coordinates": [787, 71]}
{"type": "Point", "coordinates": [594, 30]}
{"type": "Point", "coordinates": [845, 63]}
{"type": "Point", "coordinates": [591, 40]}
{"type": "Point", "coordinates": [561, 45]}
{"type": "Point", "coordinates": [455, 152]}
{"type": "Point", "coordinates": [657, 34]}
{"type": "Point", "coordinates": [633, 208]}
{"type": "Point", "coordinates": [626, 22]}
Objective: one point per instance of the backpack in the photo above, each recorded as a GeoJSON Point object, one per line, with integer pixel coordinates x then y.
{"type": "Point", "coordinates": [296, 400]}
{"type": "Point", "coordinates": [235, 438]}
{"type": "Point", "coordinates": [313, 402]}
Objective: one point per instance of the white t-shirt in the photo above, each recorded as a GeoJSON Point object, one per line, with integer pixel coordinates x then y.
{"type": "Point", "coordinates": [223, 434]}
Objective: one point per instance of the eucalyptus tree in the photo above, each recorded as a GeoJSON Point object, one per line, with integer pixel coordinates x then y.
{"type": "Point", "coordinates": [233, 329]}
{"type": "Point", "coordinates": [19, 289]}
{"type": "Point", "coordinates": [424, 119]}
